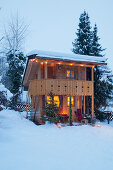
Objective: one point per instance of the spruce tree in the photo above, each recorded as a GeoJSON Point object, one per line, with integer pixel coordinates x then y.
{"type": "Point", "coordinates": [82, 44]}
{"type": "Point", "coordinates": [103, 85]}
{"type": "Point", "coordinates": [15, 71]}
{"type": "Point", "coordinates": [14, 74]}
{"type": "Point", "coordinates": [87, 43]}
{"type": "Point", "coordinates": [96, 48]}
{"type": "Point", "coordinates": [51, 110]}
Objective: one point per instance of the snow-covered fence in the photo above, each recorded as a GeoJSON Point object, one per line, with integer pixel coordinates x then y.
{"type": "Point", "coordinates": [109, 116]}
{"type": "Point", "coordinates": [22, 107]}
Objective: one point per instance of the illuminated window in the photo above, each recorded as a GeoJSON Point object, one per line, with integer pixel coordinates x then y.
{"type": "Point", "coordinates": [48, 100]}
{"type": "Point", "coordinates": [56, 100]}
{"type": "Point", "coordinates": [70, 74]}
{"type": "Point", "coordinates": [68, 101]}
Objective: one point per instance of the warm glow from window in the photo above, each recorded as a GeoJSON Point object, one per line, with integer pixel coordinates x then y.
{"type": "Point", "coordinates": [59, 63]}
{"type": "Point", "coordinates": [48, 99]}
{"type": "Point", "coordinates": [72, 101]}
{"type": "Point", "coordinates": [41, 62]}
{"type": "Point", "coordinates": [70, 74]}
{"type": "Point", "coordinates": [32, 60]}
{"type": "Point", "coordinates": [56, 100]}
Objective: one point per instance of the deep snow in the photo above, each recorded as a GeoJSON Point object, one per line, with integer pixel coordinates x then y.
{"type": "Point", "coordinates": [26, 146]}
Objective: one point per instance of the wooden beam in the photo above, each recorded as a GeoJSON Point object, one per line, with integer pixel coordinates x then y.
{"type": "Point", "coordinates": [92, 70]}
{"type": "Point", "coordinates": [45, 70]}
{"type": "Point", "coordinates": [84, 94]}
{"type": "Point", "coordinates": [60, 62]}
{"type": "Point", "coordinates": [29, 67]}
{"type": "Point", "coordinates": [84, 105]}
{"type": "Point", "coordinates": [39, 72]}
{"type": "Point", "coordinates": [61, 87]}
{"type": "Point", "coordinates": [27, 104]}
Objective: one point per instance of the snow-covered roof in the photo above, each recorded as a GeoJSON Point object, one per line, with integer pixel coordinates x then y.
{"type": "Point", "coordinates": [68, 57]}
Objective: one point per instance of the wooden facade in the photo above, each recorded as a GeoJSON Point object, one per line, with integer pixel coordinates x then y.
{"type": "Point", "coordinates": [64, 79]}
{"type": "Point", "coordinates": [61, 87]}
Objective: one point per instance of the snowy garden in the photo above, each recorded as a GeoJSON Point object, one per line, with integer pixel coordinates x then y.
{"type": "Point", "coordinates": [24, 145]}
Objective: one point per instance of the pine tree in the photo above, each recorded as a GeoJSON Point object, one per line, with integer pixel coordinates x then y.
{"type": "Point", "coordinates": [51, 110]}
{"type": "Point", "coordinates": [103, 85]}
{"type": "Point", "coordinates": [96, 48]}
{"type": "Point", "coordinates": [82, 44]}
{"type": "Point", "coordinates": [14, 74]}
{"type": "Point", "coordinates": [87, 43]}
{"type": "Point", "coordinates": [15, 71]}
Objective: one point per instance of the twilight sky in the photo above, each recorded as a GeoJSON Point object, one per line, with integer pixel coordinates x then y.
{"type": "Point", "coordinates": [53, 23]}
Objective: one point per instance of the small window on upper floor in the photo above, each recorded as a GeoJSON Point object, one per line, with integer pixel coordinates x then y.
{"type": "Point", "coordinates": [70, 74]}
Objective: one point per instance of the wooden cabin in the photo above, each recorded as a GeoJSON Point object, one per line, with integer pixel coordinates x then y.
{"type": "Point", "coordinates": [66, 76]}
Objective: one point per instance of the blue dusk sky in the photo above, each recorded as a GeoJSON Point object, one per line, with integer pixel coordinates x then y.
{"type": "Point", "coordinates": [53, 23]}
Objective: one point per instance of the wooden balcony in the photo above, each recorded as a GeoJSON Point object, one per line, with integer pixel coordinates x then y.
{"type": "Point", "coordinates": [61, 87]}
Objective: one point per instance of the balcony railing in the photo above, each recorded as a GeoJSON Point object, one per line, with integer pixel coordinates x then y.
{"type": "Point", "coordinates": [61, 87]}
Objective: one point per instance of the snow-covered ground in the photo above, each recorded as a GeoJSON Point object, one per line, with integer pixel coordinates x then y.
{"type": "Point", "coordinates": [25, 146]}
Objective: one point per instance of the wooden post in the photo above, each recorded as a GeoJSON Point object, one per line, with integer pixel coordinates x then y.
{"type": "Point", "coordinates": [45, 70]}
{"type": "Point", "coordinates": [84, 105]}
{"type": "Point", "coordinates": [75, 103]}
{"type": "Point", "coordinates": [92, 91]}
{"type": "Point", "coordinates": [27, 108]}
{"type": "Point", "coordinates": [70, 106]}
{"type": "Point", "coordinates": [39, 72]}
{"type": "Point", "coordinates": [27, 104]}
{"type": "Point", "coordinates": [70, 113]}
{"type": "Point", "coordinates": [84, 93]}
{"type": "Point", "coordinates": [35, 107]}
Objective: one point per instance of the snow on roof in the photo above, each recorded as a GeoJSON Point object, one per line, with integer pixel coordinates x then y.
{"type": "Point", "coordinates": [68, 57]}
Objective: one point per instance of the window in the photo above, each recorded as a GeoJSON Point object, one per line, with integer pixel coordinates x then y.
{"type": "Point", "coordinates": [56, 100]}
{"type": "Point", "coordinates": [72, 101]}
{"type": "Point", "coordinates": [70, 74]}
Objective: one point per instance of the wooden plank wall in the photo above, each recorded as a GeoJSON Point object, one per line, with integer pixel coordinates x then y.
{"type": "Point", "coordinates": [61, 87]}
